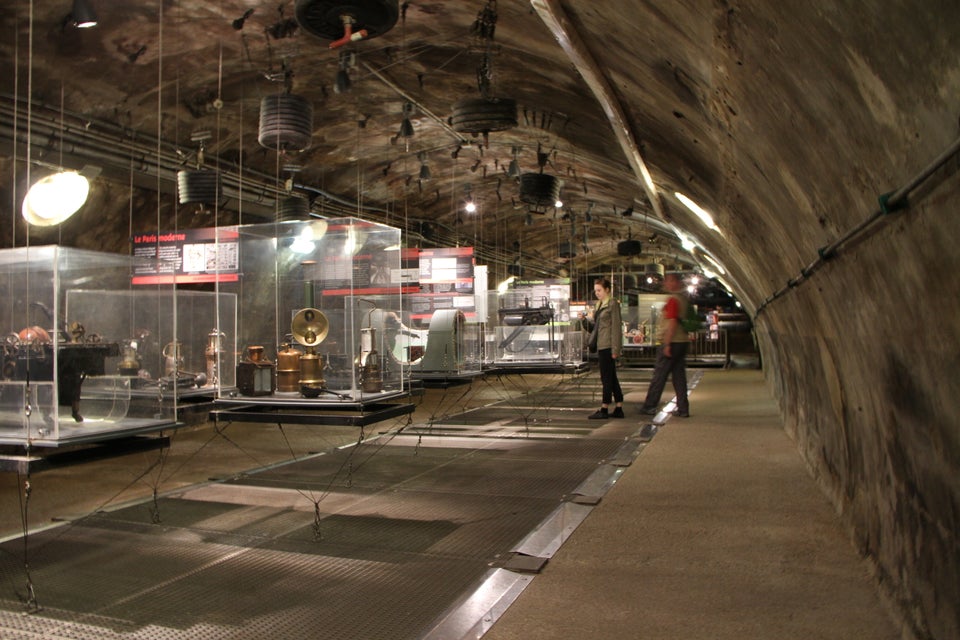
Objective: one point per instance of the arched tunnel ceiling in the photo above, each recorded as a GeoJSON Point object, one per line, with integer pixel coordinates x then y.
{"type": "Point", "coordinates": [713, 95]}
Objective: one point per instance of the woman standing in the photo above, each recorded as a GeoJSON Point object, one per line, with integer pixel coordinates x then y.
{"type": "Point", "coordinates": [606, 337]}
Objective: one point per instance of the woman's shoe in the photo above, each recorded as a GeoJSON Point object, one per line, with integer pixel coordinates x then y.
{"type": "Point", "coordinates": [599, 414]}
{"type": "Point", "coordinates": [617, 413]}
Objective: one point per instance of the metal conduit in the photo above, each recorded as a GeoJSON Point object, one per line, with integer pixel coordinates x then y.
{"type": "Point", "coordinates": [889, 203]}
{"type": "Point", "coordinates": [113, 146]}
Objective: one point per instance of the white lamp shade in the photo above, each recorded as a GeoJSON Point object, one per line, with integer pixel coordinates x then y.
{"type": "Point", "coordinates": [53, 199]}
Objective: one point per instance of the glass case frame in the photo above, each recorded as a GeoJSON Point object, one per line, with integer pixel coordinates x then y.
{"type": "Point", "coordinates": [530, 327]}
{"type": "Point", "coordinates": [60, 383]}
{"type": "Point", "coordinates": [306, 291]}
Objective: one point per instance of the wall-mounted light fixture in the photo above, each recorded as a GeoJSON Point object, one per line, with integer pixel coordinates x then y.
{"type": "Point", "coordinates": [53, 199]}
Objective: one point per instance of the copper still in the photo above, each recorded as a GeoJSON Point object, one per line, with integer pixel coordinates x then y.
{"type": "Point", "coordinates": [288, 370]}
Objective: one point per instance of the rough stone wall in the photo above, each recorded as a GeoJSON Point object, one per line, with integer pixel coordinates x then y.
{"type": "Point", "coordinates": [868, 389]}
{"type": "Point", "coordinates": [862, 355]}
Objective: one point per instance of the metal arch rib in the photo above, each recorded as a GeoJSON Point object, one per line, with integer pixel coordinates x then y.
{"type": "Point", "coordinates": [570, 41]}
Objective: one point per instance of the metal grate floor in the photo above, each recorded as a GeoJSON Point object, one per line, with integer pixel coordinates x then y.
{"type": "Point", "coordinates": [374, 541]}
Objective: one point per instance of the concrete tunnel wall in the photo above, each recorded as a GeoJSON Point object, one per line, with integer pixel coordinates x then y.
{"type": "Point", "coordinates": [862, 355]}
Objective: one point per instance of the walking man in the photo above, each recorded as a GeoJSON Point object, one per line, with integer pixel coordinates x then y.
{"type": "Point", "coordinates": [672, 353]}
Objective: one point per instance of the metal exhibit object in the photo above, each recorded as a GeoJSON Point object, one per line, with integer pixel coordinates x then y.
{"type": "Point", "coordinates": [309, 328]}
{"type": "Point", "coordinates": [257, 376]}
{"type": "Point", "coordinates": [444, 350]}
{"type": "Point", "coordinates": [172, 358]}
{"type": "Point", "coordinates": [288, 370]}
{"type": "Point", "coordinates": [129, 364]}
{"type": "Point", "coordinates": [214, 355]}
{"type": "Point", "coordinates": [371, 378]}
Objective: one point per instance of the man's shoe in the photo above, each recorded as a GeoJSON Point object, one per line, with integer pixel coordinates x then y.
{"type": "Point", "coordinates": [617, 413]}
{"type": "Point", "coordinates": [649, 412]}
{"type": "Point", "coordinates": [599, 414]}
{"type": "Point", "coordinates": [682, 414]}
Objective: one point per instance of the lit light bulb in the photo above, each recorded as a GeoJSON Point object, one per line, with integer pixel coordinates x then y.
{"type": "Point", "coordinates": [53, 199]}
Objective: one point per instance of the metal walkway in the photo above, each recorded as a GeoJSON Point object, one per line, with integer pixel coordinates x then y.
{"type": "Point", "coordinates": [416, 535]}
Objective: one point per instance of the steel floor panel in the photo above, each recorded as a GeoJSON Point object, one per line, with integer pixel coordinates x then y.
{"type": "Point", "coordinates": [229, 593]}
{"type": "Point", "coordinates": [520, 415]}
{"type": "Point", "coordinates": [378, 540]}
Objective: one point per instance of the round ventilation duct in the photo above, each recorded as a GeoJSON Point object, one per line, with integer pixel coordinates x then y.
{"type": "Point", "coordinates": [654, 269]}
{"type": "Point", "coordinates": [629, 248]}
{"type": "Point", "coordinates": [293, 208]}
{"type": "Point", "coordinates": [200, 185]}
{"type": "Point", "coordinates": [540, 189]}
{"type": "Point", "coordinates": [286, 122]}
{"type": "Point", "coordinates": [482, 115]}
{"type": "Point", "coordinates": [325, 18]}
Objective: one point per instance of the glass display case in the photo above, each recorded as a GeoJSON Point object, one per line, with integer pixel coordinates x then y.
{"type": "Point", "coordinates": [313, 299]}
{"type": "Point", "coordinates": [63, 379]}
{"type": "Point", "coordinates": [531, 327]}
{"type": "Point", "coordinates": [172, 342]}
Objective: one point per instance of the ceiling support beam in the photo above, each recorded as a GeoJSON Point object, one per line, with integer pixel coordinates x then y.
{"type": "Point", "coordinates": [573, 45]}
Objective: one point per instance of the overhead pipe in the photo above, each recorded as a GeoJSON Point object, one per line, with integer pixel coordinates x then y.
{"type": "Point", "coordinates": [111, 146]}
{"type": "Point", "coordinates": [420, 106]}
{"type": "Point", "coordinates": [348, 34]}
{"type": "Point", "coordinates": [115, 149]}
{"type": "Point", "coordinates": [889, 203]}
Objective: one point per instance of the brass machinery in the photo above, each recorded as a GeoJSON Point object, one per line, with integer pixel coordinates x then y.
{"type": "Point", "coordinates": [310, 327]}
{"type": "Point", "coordinates": [302, 372]}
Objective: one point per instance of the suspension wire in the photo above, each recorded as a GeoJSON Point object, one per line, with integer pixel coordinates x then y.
{"type": "Point", "coordinates": [30, 601]}
{"type": "Point", "coordinates": [29, 144]}
{"type": "Point", "coordinates": [16, 128]}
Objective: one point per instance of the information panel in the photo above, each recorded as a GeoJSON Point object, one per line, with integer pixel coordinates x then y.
{"type": "Point", "coordinates": [187, 256]}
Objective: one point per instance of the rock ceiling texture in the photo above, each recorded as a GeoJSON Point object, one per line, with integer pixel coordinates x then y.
{"type": "Point", "coordinates": [787, 121]}
{"type": "Point", "coordinates": [131, 96]}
